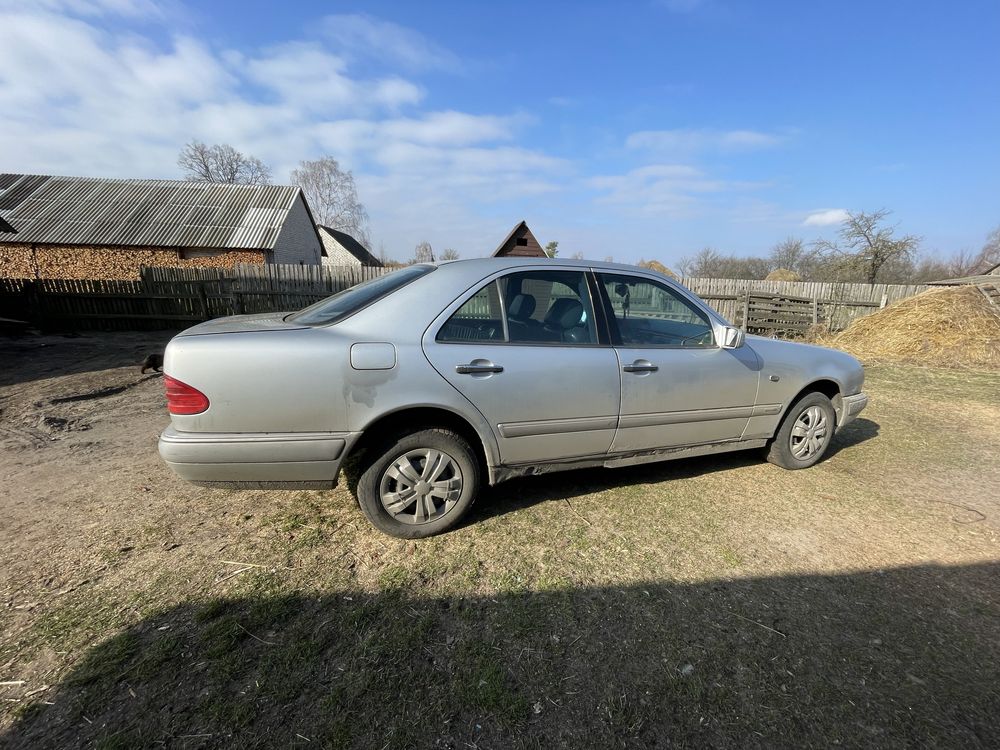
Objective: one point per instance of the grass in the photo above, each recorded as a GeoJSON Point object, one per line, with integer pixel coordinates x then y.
{"type": "Point", "coordinates": [718, 601]}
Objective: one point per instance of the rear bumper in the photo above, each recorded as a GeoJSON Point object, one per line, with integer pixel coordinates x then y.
{"type": "Point", "coordinates": [256, 460]}
{"type": "Point", "coordinates": [852, 406]}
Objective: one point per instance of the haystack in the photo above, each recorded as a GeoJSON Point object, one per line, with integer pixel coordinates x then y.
{"type": "Point", "coordinates": [782, 274]}
{"type": "Point", "coordinates": [949, 327]}
{"type": "Point", "coordinates": [655, 265]}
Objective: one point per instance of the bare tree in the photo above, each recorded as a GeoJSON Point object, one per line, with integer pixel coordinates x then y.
{"type": "Point", "coordinates": [449, 254]}
{"type": "Point", "coordinates": [704, 261]}
{"type": "Point", "coordinates": [709, 263]}
{"type": "Point", "coordinates": [870, 247]}
{"type": "Point", "coordinates": [552, 248]}
{"type": "Point", "coordinates": [967, 263]}
{"type": "Point", "coordinates": [221, 163]}
{"type": "Point", "coordinates": [423, 253]}
{"type": "Point", "coordinates": [333, 197]}
{"type": "Point", "coordinates": [990, 252]}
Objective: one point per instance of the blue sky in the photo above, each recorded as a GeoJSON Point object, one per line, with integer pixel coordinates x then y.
{"type": "Point", "coordinates": [643, 129]}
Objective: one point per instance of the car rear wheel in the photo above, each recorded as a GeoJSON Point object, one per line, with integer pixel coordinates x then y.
{"type": "Point", "coordinates": [804, 434]}
{"type": "Point", "coordinates": [419, 484]}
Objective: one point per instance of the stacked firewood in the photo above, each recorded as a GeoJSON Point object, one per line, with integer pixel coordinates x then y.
{"type": "Point", "coordinates": [15, 262]}
{"type": "Point", "coordinates": [86, 262]}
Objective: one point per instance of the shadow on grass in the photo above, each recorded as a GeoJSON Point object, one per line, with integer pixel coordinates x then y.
{"type": "Point", "coordinates": [895, 658]}
{"type": "Point", "coordinates": [518, 494]}
{"type": "Point", "coordinates": [853, 433]}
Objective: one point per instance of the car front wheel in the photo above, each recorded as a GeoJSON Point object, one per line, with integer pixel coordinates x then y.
{"type": "Point", "coordinates": [419, 484]}
{"type": "Point", "coordinates": [804, 434]}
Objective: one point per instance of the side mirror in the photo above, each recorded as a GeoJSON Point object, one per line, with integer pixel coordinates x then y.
{"type": "Point", "coordinates": [732, 338]}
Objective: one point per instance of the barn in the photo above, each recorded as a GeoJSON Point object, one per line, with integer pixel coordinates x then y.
{"type": "Point", "coordinates": [520, 243]}
{"type": "Point", "coordinates": [341, 249]}
{"type": "Point", "coordinates": [96, 228]}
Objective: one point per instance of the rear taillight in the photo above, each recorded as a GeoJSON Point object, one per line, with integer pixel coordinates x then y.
{"type": "Point", "coordinates": [182, 398]}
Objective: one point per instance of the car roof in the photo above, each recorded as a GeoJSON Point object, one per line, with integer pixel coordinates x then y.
{"type": "Point", "coordinates": [497, 264]}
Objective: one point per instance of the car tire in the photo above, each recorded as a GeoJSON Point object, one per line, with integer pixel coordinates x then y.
{"type": "Point", "coordinates": [418, 484]}
{"type": "Point", "coordinates": [805, 433]}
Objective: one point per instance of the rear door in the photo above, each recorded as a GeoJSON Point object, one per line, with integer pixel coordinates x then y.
{"type": "Point", "coordinates": [526, 350]}
{"type": "Point", "coordinates": [678, 386]}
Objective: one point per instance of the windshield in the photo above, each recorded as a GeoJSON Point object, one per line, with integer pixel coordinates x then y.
{"type": "Point", "coordinates": [349, 301]}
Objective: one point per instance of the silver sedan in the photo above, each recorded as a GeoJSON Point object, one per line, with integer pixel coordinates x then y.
{"type": "Point", "coordinates": [429, 381]}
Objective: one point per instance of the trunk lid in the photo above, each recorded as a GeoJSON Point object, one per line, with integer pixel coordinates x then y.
{"type": "Point", "coordinates": [274, 321]}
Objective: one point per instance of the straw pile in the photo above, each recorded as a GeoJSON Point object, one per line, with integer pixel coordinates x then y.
{"type": "Point", "coordinates": [655, 265]}
{"type": "Point", "coordinates": [948, 327]}
{"type": "Point", "coordinates": [782, 274]}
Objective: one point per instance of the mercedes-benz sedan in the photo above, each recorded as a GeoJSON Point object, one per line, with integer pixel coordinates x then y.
{"type": "Point", "coordinates": [427, 382]}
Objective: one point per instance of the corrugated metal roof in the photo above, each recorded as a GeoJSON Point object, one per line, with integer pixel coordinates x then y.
{"type": "Point", "coordinates": [157, 213]}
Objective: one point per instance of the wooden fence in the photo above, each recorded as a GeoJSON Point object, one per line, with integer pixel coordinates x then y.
{"type": "Point", "coordinates": [834, 304]}
{"type": "Point", "coordinates": [179, 297]}
{"type": "Point", "coordinates": [172, 297]}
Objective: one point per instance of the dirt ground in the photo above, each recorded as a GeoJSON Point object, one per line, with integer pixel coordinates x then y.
{"type": "Point", "coordinates": [714, 601]}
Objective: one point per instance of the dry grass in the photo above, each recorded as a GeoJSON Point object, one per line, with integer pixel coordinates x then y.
{"type": "Point", "coordinates": [952, 327]}
{"type": "Point", "coordinates": [714, 602]}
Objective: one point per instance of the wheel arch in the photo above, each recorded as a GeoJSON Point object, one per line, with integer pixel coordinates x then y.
{"type": "Point", "coordinates": [410, 418]}
{"type": "Point", "coordinates": [828, 387]}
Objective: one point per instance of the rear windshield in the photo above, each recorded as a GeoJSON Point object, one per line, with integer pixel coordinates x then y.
{"type": "Point", "coordinates": [349, 301]}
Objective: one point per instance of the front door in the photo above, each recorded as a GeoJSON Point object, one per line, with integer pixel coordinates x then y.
{"type": "Point", "coordinates": [678, 386]}
{"type": "Point", "coordinates": [525, 350]}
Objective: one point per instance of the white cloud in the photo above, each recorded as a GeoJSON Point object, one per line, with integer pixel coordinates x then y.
{"type": "Point", "coordinates": [825, 217]}
{"type": "Point", "coordinates": [672, 190]}
{"type": "Point", "coordinates": [659, 189]}
{"type": "Point", "coordinates": [308, 77]}
{"type": "Point", "coordinates": [82, 96]}
{"type": "Point", "coordinates": [132, 8]}
{"type": "Point", "coordinates": [362, 36]}
{"type": "Point", "coordinates": [688, 141]}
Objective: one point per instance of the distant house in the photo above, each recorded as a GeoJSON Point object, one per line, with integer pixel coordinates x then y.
{"type": "Point", "coordinates": [95, 228]}
{"type": "Point", "coordinates": [341, 249]}
{"type": "Point", "coordinates": [995, 271]}
{"type": "Point", "coordinates": [520, 243]}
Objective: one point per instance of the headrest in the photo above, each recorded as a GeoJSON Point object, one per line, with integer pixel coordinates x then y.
{"type": "Point", "coordinates": [521, 307]}
{"type": "Point", "coordinates": [565, 313]}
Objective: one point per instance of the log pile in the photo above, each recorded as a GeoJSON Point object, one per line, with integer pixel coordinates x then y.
{"type": "Point", "coordinates": [16, 262]}
{"type": "Point", "coordinates": [122, 263]}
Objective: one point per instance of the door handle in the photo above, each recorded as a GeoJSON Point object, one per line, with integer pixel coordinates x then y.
{"type": "Point", "coordinates": [640, 365]}
{"type": "Point", "coordinates": [477, 369]}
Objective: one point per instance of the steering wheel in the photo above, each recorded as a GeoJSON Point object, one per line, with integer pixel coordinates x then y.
{"type": "Point", "coordinates": [702, 335]}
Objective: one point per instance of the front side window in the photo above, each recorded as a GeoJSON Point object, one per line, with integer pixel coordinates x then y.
{"type": "Point", "coordinates": [530, 307]}
{"type": "Point", "coordinates": [648, 313]}
{"type": "Point", "coordinates": [549, 307]}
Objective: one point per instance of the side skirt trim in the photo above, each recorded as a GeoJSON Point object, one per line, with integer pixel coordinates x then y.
{"type": "Point", "coordinates": [503, 473]}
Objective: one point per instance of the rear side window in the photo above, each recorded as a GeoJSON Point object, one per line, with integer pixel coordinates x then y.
{"type": "Point", "coordinates": [530, 307]}
{"type": "Point", "coordinates": [349, 301]}
{"type": "Point", "coordinates": [479, 319]}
